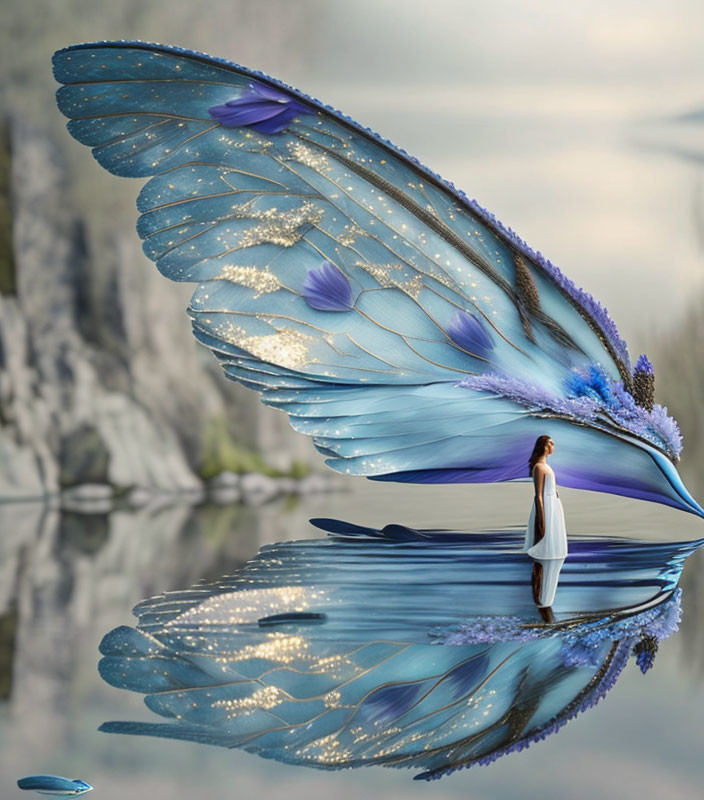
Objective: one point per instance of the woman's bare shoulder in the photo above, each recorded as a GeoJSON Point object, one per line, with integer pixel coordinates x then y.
{"type": "Point", "coordinates": [539, 467]}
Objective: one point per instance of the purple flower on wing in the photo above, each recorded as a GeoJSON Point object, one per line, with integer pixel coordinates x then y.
{"type": "Point", "coordinates": [645, 651]}
{"type": "Point", "coordinates": [643, 385]}
{"type": "Point", "coordinates": [592, 381]}
{"type": "Point", "coordinates": [261, 107]}
{"type": "Point", "coordinates": [326, 288]}
{"type": "Point", "coordinates": [643, 365]}
{"type": "Point", "coordinates": [468, 332]}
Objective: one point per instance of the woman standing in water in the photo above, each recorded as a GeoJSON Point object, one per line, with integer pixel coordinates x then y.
{"type": "Point", "coordinates": [546, 533]}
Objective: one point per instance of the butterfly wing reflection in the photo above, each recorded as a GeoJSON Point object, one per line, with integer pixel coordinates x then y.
{"type": "Point", "coordinates": [397, 647]}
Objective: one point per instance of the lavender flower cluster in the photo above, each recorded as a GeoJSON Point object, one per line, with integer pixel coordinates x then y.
{"type": "Point", "coordinates": [589, 392]}
{"type": "Point", "coordinates": [643, 365]}
{"type": "Point", "coordinates": [583, 646]}
{"type": "Point", "coordinates": [485, 630]}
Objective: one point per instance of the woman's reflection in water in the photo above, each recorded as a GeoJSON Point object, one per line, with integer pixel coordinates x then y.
{"type": "Point", "coordinates": [546, 574]}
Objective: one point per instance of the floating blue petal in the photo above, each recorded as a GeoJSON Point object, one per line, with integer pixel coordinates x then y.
{"type": "Point", "coordinates": [326, 288]}
{"type": "Point", "coordinates": [262, 108]}
{"type": "Point", "coordinates": [467, 331]}
{"type": "Point", "coordinates": [55, 785]}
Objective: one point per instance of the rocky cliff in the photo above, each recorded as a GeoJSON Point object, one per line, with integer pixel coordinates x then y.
{"type": "Point", "coordinates": [100, 378]}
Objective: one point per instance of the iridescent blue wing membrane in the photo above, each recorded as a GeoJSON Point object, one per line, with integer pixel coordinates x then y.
{"type": "Point", "coordinates": [328, 262]}
{"type": "Point", "coordinates": [306, 701]}
{"type": "Point", "coordinates": [320, 190]}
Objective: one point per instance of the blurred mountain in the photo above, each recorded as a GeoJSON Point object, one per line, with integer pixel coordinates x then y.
{"type": "Point", "coordinates": [100, 378]}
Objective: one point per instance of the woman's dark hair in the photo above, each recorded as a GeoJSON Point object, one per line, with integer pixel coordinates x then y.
{"type": "Point", "coordinates": [538, 451]}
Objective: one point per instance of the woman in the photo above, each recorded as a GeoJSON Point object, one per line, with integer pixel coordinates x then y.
{"type": "Point", "coordinates": [546, 534]}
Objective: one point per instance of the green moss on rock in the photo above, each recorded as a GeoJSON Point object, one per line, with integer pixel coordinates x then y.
{"type": "Point", "coordinates": [221, 453]}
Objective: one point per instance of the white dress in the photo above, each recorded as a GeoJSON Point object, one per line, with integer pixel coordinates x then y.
{"type": "Point", "coordinates": [554, 543]}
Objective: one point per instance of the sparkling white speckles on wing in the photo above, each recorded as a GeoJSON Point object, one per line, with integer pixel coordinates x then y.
{"type": "Point", "coordinates": [279, 227]}
{"type": "Point", "coordinates": [386, 275]}
{"type": "Point", "coordinates": [261, 280]}
{"type": "Point", "coordinates": [263, 699]}
{"type": "Point", "coordinates": [309, 157]}
{"type": "Point", "coordinates": [288, 348]}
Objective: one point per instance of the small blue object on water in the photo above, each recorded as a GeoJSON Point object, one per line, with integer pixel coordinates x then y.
{"type": "Point", "coordinates": [54, 785]}
{"type": "Point", "coordinates": [293, 618]}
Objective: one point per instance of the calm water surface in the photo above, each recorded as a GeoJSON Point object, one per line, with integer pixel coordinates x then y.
{"type": "Point", "coordinates": [68, 580]}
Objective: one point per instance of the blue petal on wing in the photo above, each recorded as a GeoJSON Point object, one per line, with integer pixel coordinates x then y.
{"type": "Point", "coordinates": [468, 674]}
{"type": "Point", "coordinates": [387, 703]}
{"type": "Point", "coordinates": [326, 288]}
{"type": "Point", "coordinates": [261, 108]}
{"type": "Point", "coordinates": [253, 185]}
{"type": "Point", "coordinates": [467, 331]}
